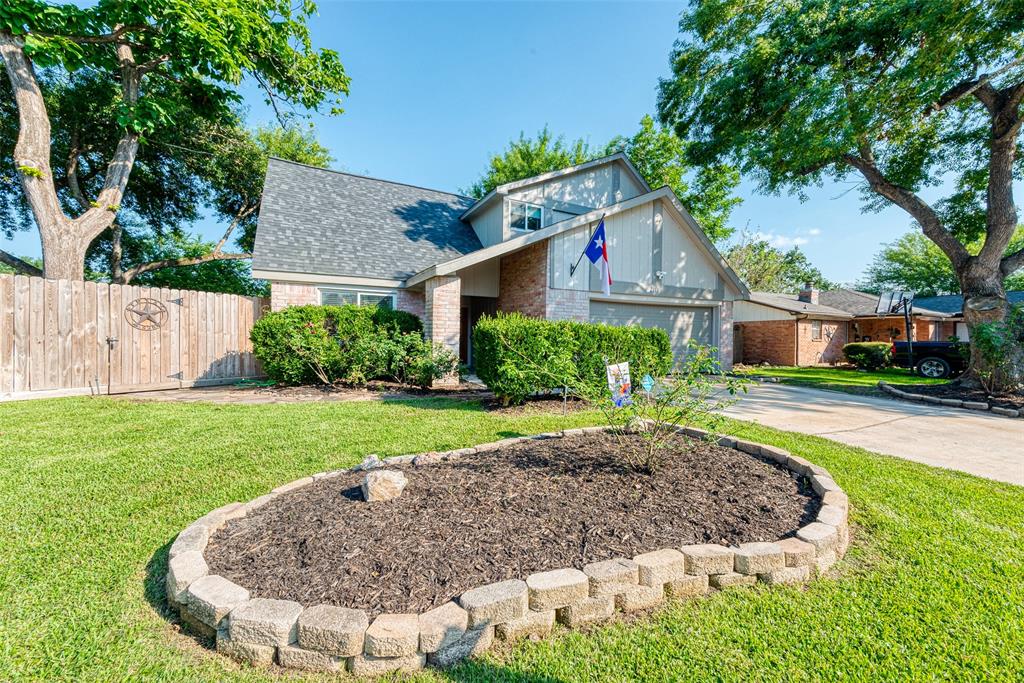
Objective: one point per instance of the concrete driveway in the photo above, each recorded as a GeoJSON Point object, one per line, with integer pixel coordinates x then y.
{"type": "Point", "coordinates": [974, 442]}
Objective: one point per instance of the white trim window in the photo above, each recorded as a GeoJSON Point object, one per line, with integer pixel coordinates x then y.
{"type": "Point", "coordinates": [339, 297]}
{"type": "Point", "coordinates": [525, 217]}
{"type": "Point", "coordinates": [816, 330]}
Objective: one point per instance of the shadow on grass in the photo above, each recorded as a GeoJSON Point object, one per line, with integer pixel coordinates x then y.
{"type": "Point", "coordinates": [155, 590]}
{"type": "Point", "coordinates": [476, 671]}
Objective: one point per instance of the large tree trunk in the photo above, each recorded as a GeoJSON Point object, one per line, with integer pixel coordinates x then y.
{"type": "Point", "coordinates": [64, 240]}
{"type": "Point", "coordinates": [984, 302]}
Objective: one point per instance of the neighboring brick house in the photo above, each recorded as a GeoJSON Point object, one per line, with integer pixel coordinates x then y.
{"type": "Point", "coordinates": [327, 237]}
{"type": "Point", "coordinates": [811, 328]}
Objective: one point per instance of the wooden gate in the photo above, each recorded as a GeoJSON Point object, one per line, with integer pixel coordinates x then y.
{"type": "Point", "coordinates": [62, 337]}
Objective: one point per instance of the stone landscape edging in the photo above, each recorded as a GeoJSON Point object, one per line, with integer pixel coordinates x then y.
{"type": "Point", "coordinates": [978, 406]}
{"type": "Point", "coordinates": [263, 631]}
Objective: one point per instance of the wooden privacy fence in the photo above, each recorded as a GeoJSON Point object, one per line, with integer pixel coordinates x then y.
{"type": "Point", "coordinates": [61, 337]}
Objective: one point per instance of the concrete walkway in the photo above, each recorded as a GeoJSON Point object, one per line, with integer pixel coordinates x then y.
{"type": "Point", "coordinates": [979, 443]}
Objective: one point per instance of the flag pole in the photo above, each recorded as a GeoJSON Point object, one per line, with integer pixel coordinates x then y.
{"type": "Point", "coordinates": [572, 269]}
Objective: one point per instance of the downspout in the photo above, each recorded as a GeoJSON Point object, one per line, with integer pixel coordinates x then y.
{"type": "Point", "coordinates": [796, 340]}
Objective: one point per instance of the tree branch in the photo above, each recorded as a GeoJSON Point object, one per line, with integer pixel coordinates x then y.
{"type": "Point", "coordinates": [71, 171]}
{"type": "Point", "coordinates": [1012, 263]}
{"type": "Point", "coordinates": [967, 87]}
{"type": "Point", "coordinates": [114, 36]}
{"type": "Point", "coordinates": [132, 273]}
{"type": "Point", "coordinates": [931, 225]}
{"type": "Point", "coordinates": [23, 267]}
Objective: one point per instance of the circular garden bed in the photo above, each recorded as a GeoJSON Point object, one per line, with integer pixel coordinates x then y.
{"type": "Point", "coordinates": [498, 540]}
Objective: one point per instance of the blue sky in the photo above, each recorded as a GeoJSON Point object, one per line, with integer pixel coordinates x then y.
{"type": "Point", "coordinates": [438, 87]}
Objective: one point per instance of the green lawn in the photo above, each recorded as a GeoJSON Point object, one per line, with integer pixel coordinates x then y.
{"type": "Point", "coordinates": [849, 380]}
{"type": "Point", "coordinates": [93, 492]}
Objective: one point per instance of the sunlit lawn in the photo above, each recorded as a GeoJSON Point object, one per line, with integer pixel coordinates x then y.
{"type": "Point", "coordinates": [93, 491]}
{"type": "Point", "coordinates": [847, 379]}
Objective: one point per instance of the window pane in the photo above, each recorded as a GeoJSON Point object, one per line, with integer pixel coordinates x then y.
{"type": "Point", "coordinates": [518, 221]}
{"type": "Point", "coordinates": [381, 300]}
{"type": "Point", "coordinates": [533, 218]}
{"type": "Point", "coordinates": [337, 297]}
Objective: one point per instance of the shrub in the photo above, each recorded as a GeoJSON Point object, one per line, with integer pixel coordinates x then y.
{"type": "Point", "coordinates": [869, 355]}
{"type": "Point", "coordinates": [306, 344]}
{"type": "Point", "coordinates": [516, 356]}
{"type": "Point", "coordinates": [1000, 347]}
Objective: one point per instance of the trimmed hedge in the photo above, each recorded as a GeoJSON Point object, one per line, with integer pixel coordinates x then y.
{"type": "Point", "coordinates": [289, 342]}
{"type": "Point", "coordinates": [516, 356]}
{"type": "Point", "coordinates": [869, 355]}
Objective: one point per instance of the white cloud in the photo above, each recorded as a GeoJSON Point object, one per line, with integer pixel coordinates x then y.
{"type": "Point", "coordinates": [814, 232]}
{"type": "Point", "coordinates": [780, 241]}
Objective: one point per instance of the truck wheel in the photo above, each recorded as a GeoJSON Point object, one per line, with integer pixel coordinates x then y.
{"type": "Point", "coordinates": [933, 368]}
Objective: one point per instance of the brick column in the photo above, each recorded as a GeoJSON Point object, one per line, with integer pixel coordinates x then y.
{"type": "Point", "coordinates": [442, 298]}
{"type": "Point", "coordinates": [725, 335]}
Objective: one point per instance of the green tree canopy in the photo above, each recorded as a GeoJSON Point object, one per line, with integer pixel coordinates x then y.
{"type": "Point", "coordinates": [142, 70]}
{"type": "Point", "coordinates": [769, 269]}
{"type": "Point", "coordinates": [526, 157]}
{"type": "Point", "coordinates": [706, 191]}
{"type": "Point", "coordinates": [914, 262]}
{"type": "Point", "coordinates": [900, 94]}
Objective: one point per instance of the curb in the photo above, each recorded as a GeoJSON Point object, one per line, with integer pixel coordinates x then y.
{"type": "Point", "coordinates": [950, 402]}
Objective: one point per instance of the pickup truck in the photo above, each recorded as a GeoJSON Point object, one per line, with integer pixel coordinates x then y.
{"type": "Point", "coordinates": [932, 359]}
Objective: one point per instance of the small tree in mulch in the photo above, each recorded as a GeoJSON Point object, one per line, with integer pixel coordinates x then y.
{"type": "Point", "coordinates": [695, 393]}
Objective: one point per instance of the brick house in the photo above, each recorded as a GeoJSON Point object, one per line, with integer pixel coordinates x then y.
{"type": "Point", "coordinates": [327, 237]}
{"type": "Point", "coordinates": [811, 327]}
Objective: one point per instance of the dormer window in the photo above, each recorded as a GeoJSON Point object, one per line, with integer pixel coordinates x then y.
{"type": "Point", "coordinates": [525, 217]}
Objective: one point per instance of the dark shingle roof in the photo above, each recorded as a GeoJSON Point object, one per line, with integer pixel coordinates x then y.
{"type": "Point", "coordinates": [849, 300]}
{"type": "Point", "coordinates": [790, 302]}
{"type": "Point", "coordinates": [952, 304]}
{"type": "Point", "coordinates": [323, 222]}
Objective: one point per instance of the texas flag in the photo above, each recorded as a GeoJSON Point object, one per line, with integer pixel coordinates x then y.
{"type": "Point", "coordinates": [597, 252]}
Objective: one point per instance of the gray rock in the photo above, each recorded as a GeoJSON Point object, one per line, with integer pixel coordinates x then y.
{"type": "Point", "coordinates": [660, 566]}
{"type": "Point", "coordinates": [211, 598]}
{"type": "Point", "coordinates": [640, 598]}
{"type": "Point", "coordinates": [588, 611]}
{"type": "Point", "coordinates": [308, 660]}
{"type": "Point", "coordinates": [215, 519]}
{"type": "Point", "coordinates": [824, 561]}
{"type": "Point", "coordinates": [248, 653]}
{"type": "Point", "coordinates": [292, 485]}
{"type": "Point", "coordinates": [833, 515]}
{"type": "Point", "coordinates": [786, 576]}
{"type": "Point", "coordinates": [1006, 412]}
{"type": "Point", "coordinates": [399, 460]}
{"type": "Point", "coordinates": [257, 503]}
{"type": "Point", "coordinates": [393, 635]}
{"type": "Point", "coordinates": [798, 553]}
{"type": "Point", "coordinates": [496, 603]}
{"type": "Point", "coordinates": [261, 621]}
{"type": "Point", "coordinates": [193, 539]}
{"type": "Point", "coordinates": [442, 626]}
{"type": "Point", "coordinates": [837, 498]}
{"type": "Point", "coordinates": [776, 454]}
{"type": "Point", "coordinates": [380, 485]}
{"type": "Point", "coordinates": [731, 580]}
{"type": "Point", "coordinates": [755, 558]}
{"type": "Point", "coordinates": [612, 576]}
{"type": "Point", "coordinates": [195, 625]}
{"type": "Point", "coordinates": [370, 462]}
{"type": "Point", "coordinates": [822, 536]}
{"type": "Point", "coordinates": [975, 405]}
{"type": "Point", "coordinates": [473, 642]}
{"type": "Point", "coordinates": [821, 484]}
{"type": "Point", "coordinates": [687, 586]}
{"type": "Point", "coordinates": [748, 447]}
{"type": "Point", "coordinates": [558, 588]}
{"type": "Point", "coordinates": [337, 631]}
{"type": "Point", "coordinates": [934, 400]}
{"type": "Point", "coordinates": [182, 571]}
{"type": "Point", "coordinates": [368, 665]}
{"type": "Point", "coordinates": [530, 625]}
{"type": "Point", "coordinates": [707, 558]}
{"type": "Point", "coordinates": [727, 442]}
{"type": "Point", "coordinates": [954, 402]}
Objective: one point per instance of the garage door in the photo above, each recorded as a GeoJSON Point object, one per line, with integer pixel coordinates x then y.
{"type": "Point", "coordinates": [682, 323]}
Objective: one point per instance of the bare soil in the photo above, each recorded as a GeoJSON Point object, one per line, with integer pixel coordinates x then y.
{"type": "Point", "coordinates": [1014, 401]}
{"type": "Point", "coordinates": [505, 514]}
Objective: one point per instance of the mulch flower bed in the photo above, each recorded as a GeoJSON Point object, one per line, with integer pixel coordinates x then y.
{"type": "Point", "coordinates": [953, 391]}
{"type": "Point", "coordinates": [529, 507]}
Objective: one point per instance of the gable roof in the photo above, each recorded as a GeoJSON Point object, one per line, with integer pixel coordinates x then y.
{"type": "Point", "coordinates": [849, 300]}
{"type": "Point", "coordinates": [323, 222]}
{"type": "Point", "coordinates": [517, 243]}
{"type": "Point", "coordinates": [792, 304]}
{"type": "Point", "coordinates": [505, 188]}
